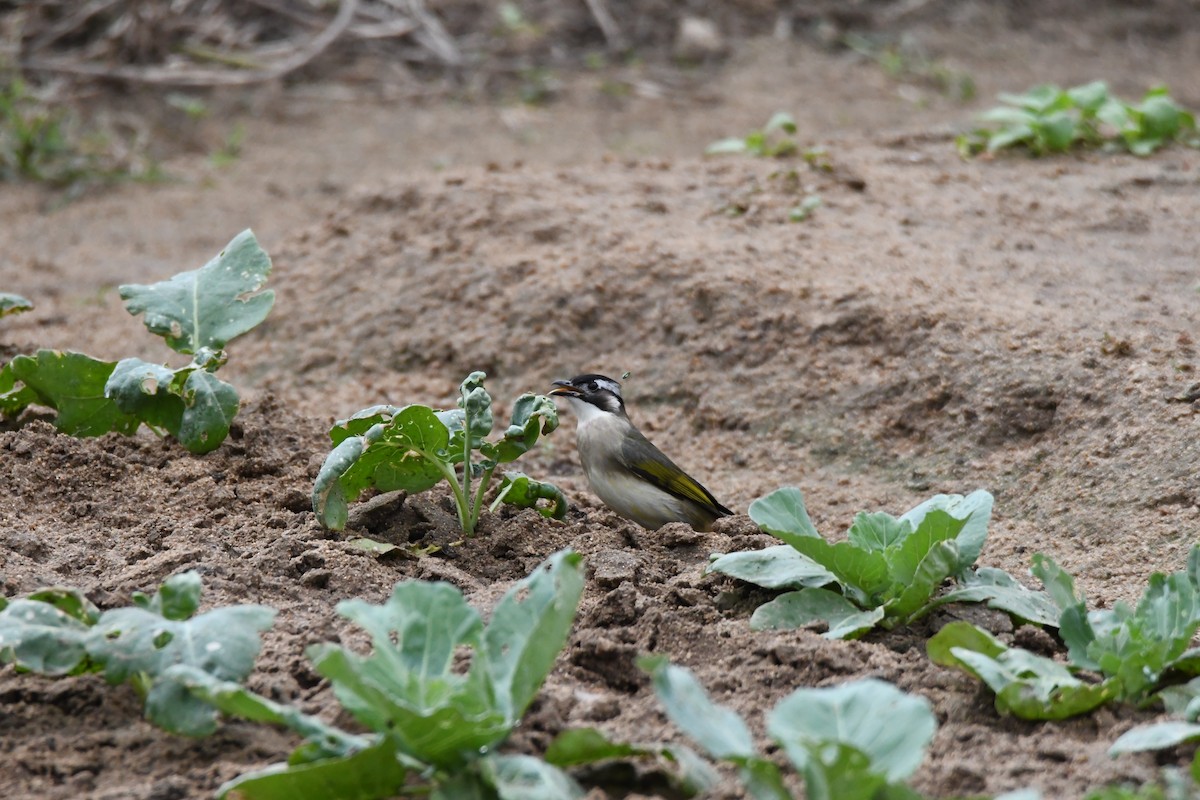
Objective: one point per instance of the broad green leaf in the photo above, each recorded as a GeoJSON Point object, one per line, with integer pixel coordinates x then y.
{"type": "Point", "coordinates": [576, 746]}
{"type": "Point", "coordinates": [905, 559]}
{"type": "Point", "coordinates": [42, 638]}
{"type": "Point", "coordinates": [877, 531]}
{"type": "Point", "coordinates": [209, 306]}
{"type": "Point", "coordinates": [363, 421]}
{"type": "Point", "coordinates": [1058, 582]}
{"type": "Point", "coordinates": [329, 496]}
{"type": "Point", "coordinates": [938, 564]}
{"type": "Point", "coordinates": [370, 774]}
{"type": "Point", "coordinates": [1007, 137]}
{"type": "Point", "coordinates": [72, 602]}
{"type": "Point", "coordinates": [448, 736]}
{"type": "Point", "coordinates": [407, 451]}
{"type": "Point", "coordinates": [518, 489]}
{"type": "Point", "coordinates": [1026, 685]}
{"type": "Point", "coordinates": [133, 642]}
{"type": "Point", "coordinates": [718, 730]}
{"type": "Point", "coordinates": [782, 513]}
{"type": "Point", "coordinates": [209, 406]}
{"type": "Point", "coordinates": [777, 567]}
{"type": "Point", "coordinates": [891, 728]}
{"type": "Point", "coordinates": [807, 606]}
{"type": "Point", "coordinates": [528, 629]}
{"type": "Point", "coordinates": [863, 574]}
{"type": "Point", "coordinates": [841, 772]}
{"type": "Point", "coordinates": [520, 777]}
{"type": "Point", "coordinates": [1058, 131]}
{"type": "Point", "coordinates": [146, 391]}
{"type": "Point", "coordinates": [1158, 736]}
{"type": "Point", "coordinates": [1003, 592]}
{"type": "Point", "coordinates": [235, 700]}
{"type": "Point", "coordinates": [1182, 700]}
{"type": "Point", "coordinates": [762, 779]}
{"type": "Point", "coordinates": [1115, 114]}
{"type": "Point", "coordinates": [579, 746]}
{"type": "Point", "coordinates": [1159, 116]}
{"type": "Point", "coordinates": [1089, 97]}
{"type": "Point", "coordinates": [73, 385]}
{"type": "Point", "coordinates": [177, 599]}
{"type": "Point", "coordinates": [974, 511]}
{"type": "Point", "coordinates": [13, 304]}
{"type": "Point", "coordinates": [13, 398]}
{"type": "Point", "coordinates": [414, 636]}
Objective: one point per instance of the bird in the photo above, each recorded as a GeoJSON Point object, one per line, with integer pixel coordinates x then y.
{"type": "Point", "coordinates": [625, 470]}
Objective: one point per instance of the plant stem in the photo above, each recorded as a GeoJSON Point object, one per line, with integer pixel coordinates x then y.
{"type": "Point", "coordinates": [477, 504]}
{"type": "Point", "coordinates": [460, 500]}
{"type": "Point", "coordinates": [468, 524]}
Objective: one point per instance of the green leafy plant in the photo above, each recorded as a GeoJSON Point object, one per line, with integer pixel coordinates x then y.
{"type": "Point", "coordinates": [906, 60]}
{"type": "Point", "coordinates": [197, 313]}
{"type": "Point", "coordinates": [1131, 649]}
{"type": "Point", "coordinates": [432, 720]}
{"type": "Point", "coordinates": [774, 140]}
{"type": "Point", "coordinates": [13, 304]}
{"type": "Point", "coordinates": [889, 571]}
{"type": "Point", "coordinates": [1048, 119]}
{"type": "Point", "coordinates": [415, 447]}
{"type": "Point", "coordinates": [58, 631]}
{"type": "Point", "coordinates": [857, 741]}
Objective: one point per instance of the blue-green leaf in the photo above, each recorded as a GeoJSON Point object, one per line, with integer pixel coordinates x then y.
{"type": "Point", "coordinates": [777, 567]}
{"type": "Point", "coordinates": [782, 513]}
{"type": "Point", "coordinates": [73, 385]}
{"type": "Point", "coordinates": [209, 306]}
{"type": "Point", "coordinates": [807, 606]}
{"type": "Point", "coordinates": [370, 774]}
{"type": "Point", "coordinates": [890, 728]}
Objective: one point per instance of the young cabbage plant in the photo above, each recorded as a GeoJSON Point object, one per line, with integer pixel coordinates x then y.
{"type": "Point", "coordinates": [415, 447]}
{"type": "Point", "coordinates": [197, 313]}
{"type": "Point", "coordinates": [58, 631]}
{"type": "Point", "coordinates": [1132, 649]}
{"type": "Point", "coordinates": [13, 304]}
{"type": "Point", "coordinates": [775, 140]}
{"type": "Point", "coordinates": [857, 741]}
{"type": "Point", "coordinates": [888, 572]}
{"type": "Point", "coordinates": [1047, 119]}
{"type": "Point", "coordinates": [435, 724]}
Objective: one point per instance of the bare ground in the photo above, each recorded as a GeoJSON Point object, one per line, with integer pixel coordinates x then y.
{"type": "Point", "coordinates": [935, 326]}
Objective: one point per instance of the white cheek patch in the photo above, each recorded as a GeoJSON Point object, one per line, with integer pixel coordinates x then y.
{"type": "Point", "coordinates": [610, 385]}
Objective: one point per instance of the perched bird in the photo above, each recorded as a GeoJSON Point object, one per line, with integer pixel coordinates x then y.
{"type": "Point", "coordinates": [624, 469]}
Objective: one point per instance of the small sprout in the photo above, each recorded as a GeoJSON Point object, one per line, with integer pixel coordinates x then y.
{"type": "Point", "coordinates": [774, 140]}
{"type": "Point", "coordinates": [804, 210]}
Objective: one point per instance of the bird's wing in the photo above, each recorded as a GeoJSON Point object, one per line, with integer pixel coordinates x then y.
{"type": "Point", "coordinates": [649, 463]}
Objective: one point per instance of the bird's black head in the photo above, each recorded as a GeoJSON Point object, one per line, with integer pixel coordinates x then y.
{"type": "Point", "coordinates": [598, 390]}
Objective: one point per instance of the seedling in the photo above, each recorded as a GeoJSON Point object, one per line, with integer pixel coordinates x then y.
{"type": "Point", "coordinates": [1047, 119]}
{"type": "Point", "coordinates": [13, 304]}
{"type": "Point", "coordinates": [197, 313]}
{"type": "Point", "coordinates": [432, 722]}
{"type": "Point", "coordinates": [855, 741]}
{"type": "Point", "coordinates": [415, 447]}
{"type": "Point", "coordinates": [775, 140]}
{"type": "Point", "coordinates": [888, 572]}
{"type": "Point", "coordinates": [58, 631]}
{"type": "Point", "coordinates": [1132, 649]}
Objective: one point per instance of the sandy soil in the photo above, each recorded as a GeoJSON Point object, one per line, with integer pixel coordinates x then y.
{"type": "Point", "coordinates": [935, 326]}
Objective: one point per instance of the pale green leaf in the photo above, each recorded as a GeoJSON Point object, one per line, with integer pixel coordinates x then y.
{"type": "Point", "coordinates": [777, 567]}
{"type": "Point", "coordinates": [73, 385]}
{"type": "Point", "coordinates": [782, 513]}
{"type": "Point", "coordinates": [13, 304]}
{"type": "Point", "coordinates": [209, 306]}
{"type": "Point", "coordinates": [891, 728]}
{"type": "Point", "coordinates": [718, 730]}
{"type": "Point", "coordinates": [42, 638]}
{"type": "Point", "coordinates": [1003, 592]}
{"type": "Point", "coordinates": [370, 774]}
{"type": "Point", "coordinates": [808, 606]}
{"type": "Point", "coordinates": [521, 777]}
{"type": "Point", "coordinates": [877, 531]}
{"type": "Point", "coordinates": [528, 628]}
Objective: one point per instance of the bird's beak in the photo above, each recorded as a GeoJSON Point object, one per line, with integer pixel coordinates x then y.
{"type": "Point", "coordinates": [565, 389]}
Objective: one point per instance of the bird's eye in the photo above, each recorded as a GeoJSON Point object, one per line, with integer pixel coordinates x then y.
{"type": "Point", "coordinates": [593, 386]}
